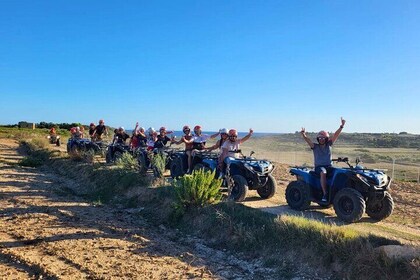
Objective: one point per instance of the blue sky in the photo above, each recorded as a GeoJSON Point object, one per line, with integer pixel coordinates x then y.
{"type": "Point", "coordinates": [274, 66]}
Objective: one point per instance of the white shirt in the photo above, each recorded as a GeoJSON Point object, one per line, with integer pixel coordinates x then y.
{"type": "Point", "coordinates": [232, 147]}
{"type": "Point", "coordinates": [201, 139]}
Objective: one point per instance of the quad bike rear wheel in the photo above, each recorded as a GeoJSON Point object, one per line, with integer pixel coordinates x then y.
{"type": "Point", "coordinates": [380, 210]}
{"type": "Point", "coordinates": [108, 156]}
{"type": "Point", "coordinates": [142, 163]}
{"type": "Point", "coordinates": [157, 172]}
{"type": "Point", "coordinates": [269, 189]}
{"type": "Point", "coordinates": [349, 205]}
{"type": "Point", "coordinates": [176, 168]}
{"type": "Point", "coordinates": [298, 195]}
{"type": "Point", "coordinates": [117, 156]}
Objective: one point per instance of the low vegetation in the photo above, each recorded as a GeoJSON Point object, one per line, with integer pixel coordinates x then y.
{"type": "Point", "coordinates": [199, 189]}
{"type": "Point", "coordinates": [280, 241]}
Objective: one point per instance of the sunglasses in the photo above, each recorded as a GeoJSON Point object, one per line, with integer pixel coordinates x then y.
{"type": "Point", "coordinates": [321, 138]}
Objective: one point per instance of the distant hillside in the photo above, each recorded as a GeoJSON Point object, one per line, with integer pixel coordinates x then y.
{"type": "Point", "coordinates": [372, 140]}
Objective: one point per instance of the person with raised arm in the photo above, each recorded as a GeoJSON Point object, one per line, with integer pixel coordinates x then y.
{"type": "Point", "coordinates": [322, 153]}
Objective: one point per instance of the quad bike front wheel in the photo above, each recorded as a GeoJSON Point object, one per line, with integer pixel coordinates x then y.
{"type": "Point", "coordinates": [239, 189]}
{"type": "Point", "coordinates": [298, 195]}
{"type": "Point", "coordinates": [349, 205]}
{"type": "Point", "coordinates": [269, 189]}
{"type": "Point", "coordinates": [380, 210]}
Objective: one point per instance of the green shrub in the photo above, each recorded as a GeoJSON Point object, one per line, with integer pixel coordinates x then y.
{"type": "Point", "coordinates": [159, 162]}
{"type": "Point", "coordinates": [31, 161]}
{"type": "Point", "coordinates": [37, 155]}
{"type": "Point", "coordinates": [127, 162]}
{"type": "Point", "coordinates": [197, 190]}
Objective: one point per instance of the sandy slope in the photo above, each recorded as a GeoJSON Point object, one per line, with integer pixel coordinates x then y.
{"type": "Point", "coordinates": [44, 234]}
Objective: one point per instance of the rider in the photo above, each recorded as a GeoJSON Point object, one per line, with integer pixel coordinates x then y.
{"type": "Point", "coordinates": [78, 133]}
{"type": "Point", "coordinates": [99, 130]}
{"type": "Point", "coordinates": [223, 137]}
{"type": "Point", "coordinates": [230, 149]}
{"type": "Point", "coordinates": [187, 138]}
{"type": "Point", "coordinates": [134, 142]}
{"type": "Point", "coordinates": [92, 128]}
{"type": "Point", "coordinates": [199, 139]}
{"type": "Point", "coordinates": [162, 138]}
{"type": "Point", "coordinates": [141, 137]}
{"type": "Point", "coordinates": [322, 154]}
{"type": "Point", "coordinates": [120, 136]}
{"type": "Point", "coordinates": [151, 138]}
{"type": "Point", "coordinates": [52, 131]}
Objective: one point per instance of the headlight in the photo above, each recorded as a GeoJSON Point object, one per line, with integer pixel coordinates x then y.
{"type": "Point", "coordinates": [249, 167]}
{"type": "Point", "coordinates": [362, 178]}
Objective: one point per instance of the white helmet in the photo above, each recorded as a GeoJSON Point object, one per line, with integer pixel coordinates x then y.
{"type": "Point", "coordinates": [77, 128]}
{"type": "Point", "coordinates": [223, 130]}
{"type": "Point", "coordinates": [151, 130]}
{"type": "Point", "coordinates": [141, 128]}
{"type": "Point", "coordinates": [121, 128]}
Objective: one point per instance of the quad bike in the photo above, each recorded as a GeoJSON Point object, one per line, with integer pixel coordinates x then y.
{"type": "Point", "coordinates": [352, 191]}
{"type": "Point", "coordinates": [83, 145]}
{"type": "Point", "coordinates": [179, 163]}
{"type": "Point", "coordinates": [114, 151]}
{"type": "Point", "coordinates": [243, 174]}
{"type": "Point", "coordinates": [54, 139]}
{"type": "Point", "coordinates": [146, 159]}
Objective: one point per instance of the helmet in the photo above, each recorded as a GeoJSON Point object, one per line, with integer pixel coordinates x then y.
{"type": "Point", "coordinates": [141, 129]}
{"type": "Point", "coordinates": [324, 134]}
{"type": "Point", "coordinates": [92, 124]}
{"type": "Point", "coordinates": [233, 132]}
{"type": "Point", "coordinates": [77, 128]}
{"type": "Point", "coordinates": [197, 127]}
{"type": "Point", "coordinates": [151, 130]}
{"type": "Point", "coordinates": [186, 127]}
{"type": "Point", "coordinates": [121, 128]}
{"type": "Point", "coordinates": [101, 121]}
{"type": "Point", "coordinates": [162, 128]}
{"type": "Point", "coordinates": [223, 130]}
{"type": "Point", "coordinates": [72, 130]}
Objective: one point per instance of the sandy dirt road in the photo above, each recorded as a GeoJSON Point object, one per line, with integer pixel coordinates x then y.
{"type": "Point", "coordinates": [51, 236]}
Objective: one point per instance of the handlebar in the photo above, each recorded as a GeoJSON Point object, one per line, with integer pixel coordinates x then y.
{"type": "Point", "coordinates": [340, 159]}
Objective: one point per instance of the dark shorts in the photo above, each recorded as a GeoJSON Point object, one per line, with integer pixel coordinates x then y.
{"type": "Point", "coordinates": [322, 169]}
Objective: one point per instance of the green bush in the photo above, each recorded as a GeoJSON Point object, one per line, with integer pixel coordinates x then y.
{"type": "Point", "coordinates": [31, 161]}
{"type": "Point", "coordinates": [127, 162]}
{"type": "Point", "coordinates": [37, 155]}
{"type": "Point", "coordinates": [197, 190]}
{"type": "Point", "coordinates": [159, 162]}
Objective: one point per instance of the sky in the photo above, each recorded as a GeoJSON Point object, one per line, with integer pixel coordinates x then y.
{"type": "Point", "coordinates": [274, 66]}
